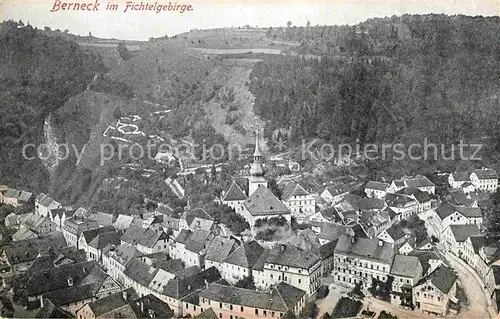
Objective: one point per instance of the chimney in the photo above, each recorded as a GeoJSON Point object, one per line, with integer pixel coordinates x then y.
{"type": "Point", "coordinates": [70, 281]}
{"type": "Point", "coordinates": [380, 242]}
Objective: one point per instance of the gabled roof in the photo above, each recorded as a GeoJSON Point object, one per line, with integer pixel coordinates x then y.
{"type": "Point", "coordinates": [337, 189]}
{"type": "Point", "coordinates": [44, 199]}
{"type": "Point", "coordinates": [263, 202]}
{"type": "Point", "coordinates": [293, 189]}
{"type": "Point", "coordinates": [180, 287]}
{"type": "Point", "coordinates": [365, 248]}
{"type": "Point", "coordinates": [197, 240]}
{"type": "Point", "coordinates": [418, 181]}
{"type": "Point", "coordinates": [220, 248]}
{"type": "Point", "coordinates": [462, 232]}
{"type": "Point", "coordinates": [485, 173]}
{"type": "Point", "coordinates": [12, 193]}
{"type": "Point", "coordinates": [470, 212]}
{"type": "Point", "coordinates": [362, 203]}
{"type": "Point", "coordinates": [140, 272]}
{"type": "Point", "coordinates": [398, 200]}
{"type": "Point", "coordinates": [443, 278]}
{"type": "Point", "coordinates": [207, 314]}
{"type": "Point", "coordinates": [405, 266]}
{"type": "Point", "coordinates": [25, 196]}
{"type": "Point", "coordinates": [396, 231]}
{"type": "Point", "coordinates": [246, 255]}
{"type": "Point", "coordinates": [102, 240]}
{"type": "Point", "coordinates": [200, 213]}
{"type": "Point", "coordinates": [281, 298]}
{"type": "Point", "coordinates": [424, 256]}
{"type": "Point", "coordinates": [57, 278]}
{"type": "Point", "coordinates": [234, 193]}
{"type": "Point", "coordinates": [331, 213]}
{"type": "Point", "coordinates": [26, 250]}
{"type": "Point", "coordinates": [377, 186]}
{"type": "Point", "coordinates": [124, 253]}
{"type": "Point", "coordinates": [49, 310]}
{"type": "Point", "coordinates": [419, 195]}
{"type": "Point", "coordinates": [109, 303]}
{"type": "Point", "coordinates": [444, 210]}
{"type": "Point", "coordinates": [291, 256]}
{"type": "Point", "coordinates": [153, 304]}
{"type": "Point", "coordinates": [89, 235]}
{"type": "Point", "coordinates": [333, 232]}
{"type": "Point", "coordinates": [123, 222]}
{"type": "Point", "coordinates": [460, 176]}
{"type": "Point", "coordinates": [146, 237]}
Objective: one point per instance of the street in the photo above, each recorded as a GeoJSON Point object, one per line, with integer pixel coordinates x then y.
{"type": "Point", "coordinates": [478, 304]}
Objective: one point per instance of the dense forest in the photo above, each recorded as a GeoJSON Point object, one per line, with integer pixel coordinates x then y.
{"type": "Point", "coordinates": [38, 74]}
{"type": "Point", "coordinates": [385, 80]}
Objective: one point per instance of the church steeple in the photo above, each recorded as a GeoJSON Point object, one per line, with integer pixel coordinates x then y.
{"type": "Point", "coordinates": [256, 167]}
{"type": "Point", "coordinates": [256, 170]}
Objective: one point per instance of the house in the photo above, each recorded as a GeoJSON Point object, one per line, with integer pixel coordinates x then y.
{"type": "Point", "coordinates": [11, 197]}
{"type": "Point", "coordinates": [263, 204]}
{"type": "Point", "coordinates": [376, 189]}
{"type": "Point", "coordinates": [196, 219]}
{"type": "Point", "coordinates": [422, 198]}
{"type": "Point", "coordinates": [232, 302]}
{"type": "Point", "coordinates": [18, 256]}
{"type": "Point", "coordinates": [115, 259]}
{"type": "Point", "coordinates": [447, 214]}
{"type": "Point", "coordinates": [407, 271]}
{"type": "Point", "coordinates": [37, 223]}
{"type": "Point", "coordinates": [396, 235]}
{"type": "Point", "coordinates": [191, 247]}
{"type": "Point", "coordinates": [404, 206]}
{"type": "Point", "coordinates": [44, 203]}
{"type": "Point", "coordinates": [97, 284]}
{"type": "Point", "coordinates": [358, 260]}
{"type": "Point", "coordinates": [485, 179]}
{"type": "Point", "coordinates": [458, 197]}
{"type": "Point", "coordinates": [146, 240]}
{"type": "Point", "coordinates": [335, 194]}
{"type": "Point", "coordinates": [289, 264]}
{"type": "Point", "coordinates": [123, 222]}
{"type": "Point", "coordinates": [429, 260]}
{"type": "Point", "coordinates": [59, 216]}
{"type": "Point", "coordinates": [73, 227]}
{"type": "Point", "coordinates": [56, 258]}
{"type": "Point", "coordinates": [240, 262]}
{"type": "Point", "coordinates": [436, 292]}
{"type": "Point", "coordinates": [62, 279]}
{"type": "Point", "coordinates": [24, 233]}
{"type": "Point", "coordinates": [95, 248]}
{"type": "Point", "coordinates": [49, 310]}
{"type": "Point", "coordinates": [332, 232]}
{"type": "Point", "coordinates": [11, 220]}
{"type": "Point", "coordinates": [180, 288]}
{"type": "Point", "coordinates": [220, 248]}
{"type": "Point", "coordinates": [234, 197]}
{"type": "Point", "coordinates": [454, 237]}
{"type": "Point", "coordinates": [374, 222]}
{"type": "Point", "coordinates": [88, 235]}
{"type": "Point", "coordinates": [455, 180]}
{"type": "Point", "coordinates": [327, 215]}
{"type": "Point", "coordinates": [299, 201]}
{"type": "Point", "coordinates": [139, 275]}
{"type": "Point", "coordinates": [103, 219]}
{"type": "Point", "coordinates": [419, 181]}
{"type": "Point", "coordinates": [113, 306]}
{"type": "Point", "coordinates": [406, 248]}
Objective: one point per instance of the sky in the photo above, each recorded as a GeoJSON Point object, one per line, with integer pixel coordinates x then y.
{"type": "Point", "coordinates": [135, 25]}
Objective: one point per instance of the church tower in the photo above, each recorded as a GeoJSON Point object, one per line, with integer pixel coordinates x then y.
{"type": "Point", "coordinates": [256, 170]}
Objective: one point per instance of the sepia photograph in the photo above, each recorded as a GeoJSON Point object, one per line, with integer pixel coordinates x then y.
{"type": "Point", "coordinates": [249, 159]}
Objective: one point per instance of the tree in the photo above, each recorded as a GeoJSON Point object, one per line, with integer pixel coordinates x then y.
{"type": "Point", "coordinates": [289, 24]}
{"type": "Point", "coordinates": [246, 282]}
{"type": "Point", "coordinates": [90, 34]}
{"type": "Point", "coordinates": [123, 51]}
{"type": "Point", "coordinates": [310, 311]}
{"type": "Point", "coordinates": [308, 24]}
{"type": "Point", "coordinates": [273, 186]}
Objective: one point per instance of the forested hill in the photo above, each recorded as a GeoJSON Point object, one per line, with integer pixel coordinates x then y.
{"type": "Point", "coordinates": [38, 74]}
{"type": "Point", "coordinates": [398, 78]}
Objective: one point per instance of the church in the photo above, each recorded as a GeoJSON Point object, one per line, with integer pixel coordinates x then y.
{"type": "Point", "coordinates": [254, 200]}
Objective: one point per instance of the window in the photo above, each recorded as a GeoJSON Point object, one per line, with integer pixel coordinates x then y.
{"type": "Point", "coordinates": [220, 315]}
{"type": "Point", "coordinates": [256, 311]}
{"type": "Point", "coordinates": [300, 281]}
{"type": "Point", "coordinates": [265, 313]}
{"type": "Point", "coordinates": [230, 307]}
{"type": "Point", "coordinates": [220, 305]}
{"type": "Point", "coordinates": [242, 309]}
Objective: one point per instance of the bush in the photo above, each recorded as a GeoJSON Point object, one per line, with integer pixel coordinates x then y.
{"type": "Point", "coordinates": [246, 282]}
{"type": "Point", "coordinates": [266, 235]}
{"type": "Point", "coordinates": [386, 315]}
{"type": "Point", "coordinates": [346, 307]}
{"type": "Point", "coordinates": [322, 292]}
{"type": "Point", "coordinates": [310, 311]}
